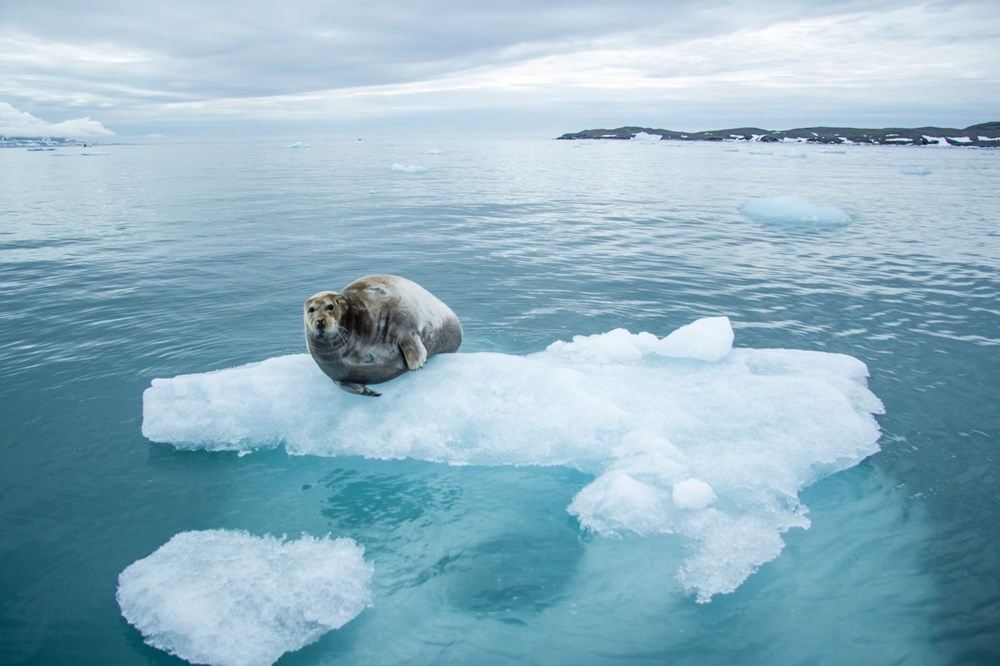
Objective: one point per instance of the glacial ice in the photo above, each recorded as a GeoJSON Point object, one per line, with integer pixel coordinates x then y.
{"type": "Point", "coordinates": [684, 435]}
{"type": "Point", "coordinates": [646, 137]}
{"type": "Point", "coordinates": [229, 598]}
{"type": "Point", "coordinates": [408, 168]}
{"type": "Point", "coordinates": [793, 210]}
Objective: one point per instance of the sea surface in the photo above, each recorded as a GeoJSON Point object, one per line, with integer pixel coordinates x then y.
{"type": "Point", "coordinates": [136, 262]}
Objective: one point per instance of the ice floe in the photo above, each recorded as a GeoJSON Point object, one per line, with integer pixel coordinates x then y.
{"type": "Point", "coordinates": [793, 210]}
{"type": "Point", "coordinates": [408, 168]}
{"type": "Point", "coordinates": [916, 171]}
{"type": "Point", "coordinates": [684, 435]}
{"type": "Point", "coordinates": [229, 598]}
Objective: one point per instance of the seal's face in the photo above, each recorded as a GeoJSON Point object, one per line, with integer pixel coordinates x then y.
{"type": "Point", "coordinates": [323, 314]}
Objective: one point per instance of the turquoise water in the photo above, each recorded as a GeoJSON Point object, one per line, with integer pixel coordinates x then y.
{"type": "Point", "coordinates": [156, 261]}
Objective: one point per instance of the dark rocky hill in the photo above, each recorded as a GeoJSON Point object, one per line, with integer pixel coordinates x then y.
{"type": "Point", "coordinates": [984, 134]}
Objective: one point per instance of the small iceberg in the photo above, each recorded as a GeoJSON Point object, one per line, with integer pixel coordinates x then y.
{"type": "Point", "coordinates": [645, 137]}
{"type": "Point", "coordinates": [408, 168]}
{"type": "Point", "coordinates": [793, 210]}
{"type": "Point", "coordinates": [916, 171]}
{"type": "Point", "coordinates": [684, 436]}
{"type": "Point", "coordinates": [795, 154]}
{"type": "Point", "coordinates": [298, 144]}
{"type": "Point", "coordinates": [229, 598]}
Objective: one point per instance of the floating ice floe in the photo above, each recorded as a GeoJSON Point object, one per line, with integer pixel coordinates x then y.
{"type": "Point", "coordinates": [833, 151]}
{"type": "Point", "coordinates": [408, 168]}
{"type": "Point", "coordinates": [795, 154]}
{"type": "Point", "coordinates": [793, 210]}
{"type": "Point", "coordinates": [228, 598]}
{"type": "Point", "coordinates": [298, 144]}
{"type": "Point", "coordinates": [684, 434]}
{"type": "Point", "coordinates": [916, 171]}
{"type": "Point", "coordinates": [645, 137]}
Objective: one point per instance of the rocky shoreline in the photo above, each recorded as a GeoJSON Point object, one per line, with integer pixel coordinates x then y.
{"type": "Point", "coordinates": [981, 135]}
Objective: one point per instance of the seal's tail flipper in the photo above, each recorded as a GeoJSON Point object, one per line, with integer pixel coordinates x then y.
{"type": "Point", "coordinates": [358, 389]}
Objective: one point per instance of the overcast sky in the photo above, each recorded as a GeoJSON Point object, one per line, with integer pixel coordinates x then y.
{"type": "Point", "coordinates": [520, 68]}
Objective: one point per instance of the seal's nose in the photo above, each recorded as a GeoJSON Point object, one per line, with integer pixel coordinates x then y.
{"type": "Point", "coordinates": [320, 324]}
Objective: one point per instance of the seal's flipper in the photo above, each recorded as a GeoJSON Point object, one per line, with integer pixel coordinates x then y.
{"type": "Point", "coordinates": [358, 389]}
{"type": "Point", "coordinates": [413, 351]}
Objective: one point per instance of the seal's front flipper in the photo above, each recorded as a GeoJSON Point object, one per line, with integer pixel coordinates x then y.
{"type": "Point", "coordinates": [358, 389]}
{"type": "Point", "coordinates": [413, 351]}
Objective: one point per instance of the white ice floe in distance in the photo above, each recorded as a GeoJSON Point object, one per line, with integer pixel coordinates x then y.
{"type": "Point", "coordinates": [229, 598]}
{"type": "Point", "coordinates": [793, 210]}
{"type": "Point", "coordinates": [298, 144]}
{"type": "Point", "coordinates": [642, 414]}
{"type": "Point", "coordinates": [408, 168]}
{"type": "Point", "coordinates": [795, 154]}
{"type": "Point", "coordinates": [645, 137]}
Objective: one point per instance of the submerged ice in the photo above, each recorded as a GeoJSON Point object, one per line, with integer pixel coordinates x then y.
{"type": "Point", "coordinates": [684, 434]}
{"type": "Point", "coordinates": [223, 597]}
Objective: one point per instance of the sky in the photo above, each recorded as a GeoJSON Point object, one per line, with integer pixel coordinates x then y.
{"type": "Point", "coordinates": [301, 69]}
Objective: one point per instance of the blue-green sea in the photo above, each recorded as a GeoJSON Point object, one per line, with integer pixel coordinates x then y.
{"type": "Point", "coordinates": [122, 264]}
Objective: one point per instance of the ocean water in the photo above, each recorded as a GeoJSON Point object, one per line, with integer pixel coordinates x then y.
{"type": "Point", "coordinates": [157, 262]}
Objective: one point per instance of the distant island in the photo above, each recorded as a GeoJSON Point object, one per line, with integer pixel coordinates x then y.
{"type": "Point", "coordinates": [982, 135]}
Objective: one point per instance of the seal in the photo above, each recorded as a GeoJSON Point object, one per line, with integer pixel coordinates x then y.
{"type": "Point", "coordinates": [377, 328]}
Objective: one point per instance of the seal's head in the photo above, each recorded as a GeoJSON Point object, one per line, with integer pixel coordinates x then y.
{"type": "Point", "coordinates": [323, 315]}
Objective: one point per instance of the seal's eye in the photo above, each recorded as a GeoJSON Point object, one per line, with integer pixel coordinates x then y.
{"type": "Point", "coordinates": [329, 307]}
{"type": "Point", "coordinates": [312, 309]}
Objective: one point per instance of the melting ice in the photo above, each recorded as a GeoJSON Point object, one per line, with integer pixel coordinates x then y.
{"type": "Point", "coordinates": [229, 598]}
{"type": "Point", "coordinates": [684, 435]}
{"type": "Point", "coordinates": [793, 210]}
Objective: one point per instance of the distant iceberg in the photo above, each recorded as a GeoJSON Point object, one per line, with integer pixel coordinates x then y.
{"type": "Point", "coordinates": [793, 210]}
{"type": "Point", "coordinates": [408, 168]}
{"type": "Point", "coordinates": [916, 171]}
{"type": "Point", "coordinates": [298, 144]}
{"type": "Point", "coordinates": [229, 598]}
{"type": "Point", "coordinates": [645, 137]}
{"type": "Point", "coordinates": [684, 435]}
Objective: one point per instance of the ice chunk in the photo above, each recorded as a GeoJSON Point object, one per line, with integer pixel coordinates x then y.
{"type": "Point", "coordinates": [693, 494]}
{"type": "Point", "coordinates": [645, 137]}
{"type": "Point", "coordinates": [916, 171]}
{"type": "Point", "coordinates": [652, 419]}
{"type": "Point", "coordinates": [229, 598]}
{"type": "Point", "coordinates": [707, 339]}
{"type": "Point", "coordinates": [408, 168]}
{"type": "Point", "coordinates": [793, 210]}
{"type": "Point", "coordinates": [298, 144]}
{"type": "Point", "coordinates": [795, 154]}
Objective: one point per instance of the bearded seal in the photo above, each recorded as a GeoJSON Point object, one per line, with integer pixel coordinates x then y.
{"type": "Point", "coordinates": [376, 329]}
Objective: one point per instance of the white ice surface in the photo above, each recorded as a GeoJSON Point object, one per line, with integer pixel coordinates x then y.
{"type": "Point", "coordinates": [408, 168]}
{"type": "Point", "coordinates": [232, 599]}
{"type": "Point", "coordinates": [793, 210]}
{"type": "Point", "coordinates": [641, 413]}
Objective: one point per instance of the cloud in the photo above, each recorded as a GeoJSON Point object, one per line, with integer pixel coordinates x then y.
{"type": "Point", "coordinates": [386, 59]}
{"type": "Point", "coordinates": [19, 123]}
